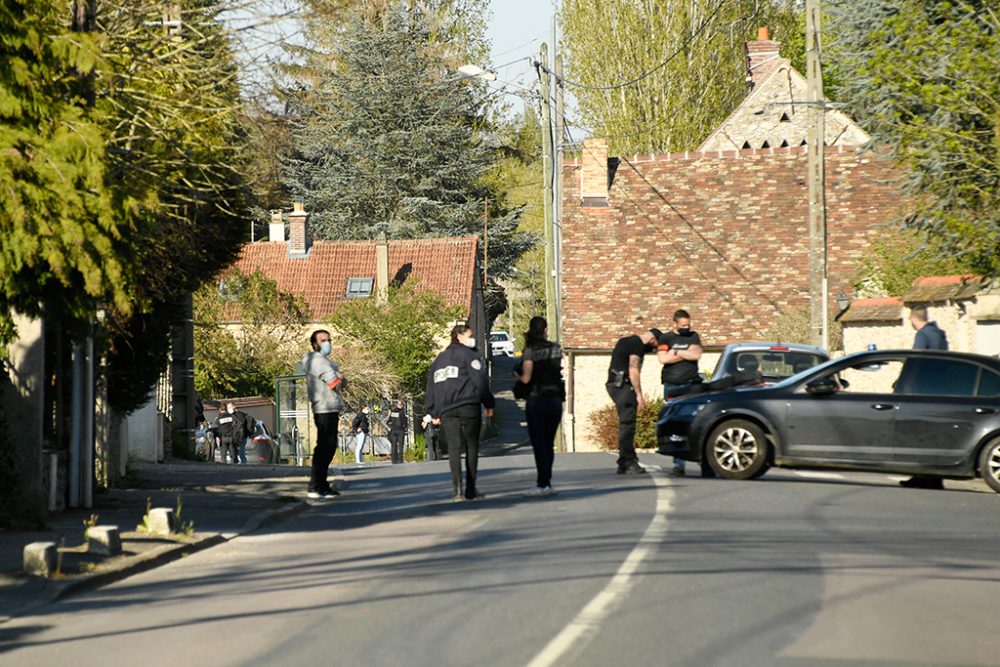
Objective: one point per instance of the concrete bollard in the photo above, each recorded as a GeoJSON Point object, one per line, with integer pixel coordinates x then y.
{"type": "Point", "coordinates": [104, 540]}
{"type": "Point", "coordinates": [162, 521]}
{"type": "Point", "coordinates": [40, 558]}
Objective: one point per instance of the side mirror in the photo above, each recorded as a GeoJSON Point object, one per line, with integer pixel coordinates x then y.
{"type": "Point", "coordinates": [823, 386]}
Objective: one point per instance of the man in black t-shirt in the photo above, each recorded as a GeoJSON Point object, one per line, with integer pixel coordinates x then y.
{"type": "Point", "coordinates": [625, 388]}
{"type": "Point", "coordinates": [679, 351]}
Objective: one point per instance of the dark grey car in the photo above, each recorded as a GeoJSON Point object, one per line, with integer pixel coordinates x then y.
{"type": "Point", "coordinates": [902, 411]}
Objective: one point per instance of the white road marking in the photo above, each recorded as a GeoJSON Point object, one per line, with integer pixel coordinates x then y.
{"type": "Point", "coordinates": [808, 474]}
{"type": "Point", "coordinates": [586, 624]}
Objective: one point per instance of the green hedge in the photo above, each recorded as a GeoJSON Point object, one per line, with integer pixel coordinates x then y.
{"type": "Point", "coordinates": [605, 425]}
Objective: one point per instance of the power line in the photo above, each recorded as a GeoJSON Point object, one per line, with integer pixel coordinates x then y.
{"type": "Point", "coordinates": [647, 73]}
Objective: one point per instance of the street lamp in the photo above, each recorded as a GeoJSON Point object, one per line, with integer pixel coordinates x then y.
{"type": "Point", "coordinates": [843, 303]}
{"type": "Point", "coordinates": [476, 72]}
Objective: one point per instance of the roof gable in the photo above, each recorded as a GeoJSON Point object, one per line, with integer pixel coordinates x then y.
{"type": "Point", "coordinates": [443, 265]}
{"type": "Point", "coordinates": [774, 115]}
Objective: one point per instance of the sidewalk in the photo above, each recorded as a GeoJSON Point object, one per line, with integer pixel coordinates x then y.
{"type": "Point", "coordinates": [222, 501]}
{"type": "Point", "coordinates": [513, 430]}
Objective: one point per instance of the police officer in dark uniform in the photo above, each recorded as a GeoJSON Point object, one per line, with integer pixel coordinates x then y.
{"type": "Point", "coordinates": [397, 431]}
{"type": "Point", "coordinates": [226, 428]}
{"type": "Point", "coordinates": [458, 386]}
{"type": "Point", "coordinates": [625, 389]}
{"type": "Point", "coordinates": [679, 351]}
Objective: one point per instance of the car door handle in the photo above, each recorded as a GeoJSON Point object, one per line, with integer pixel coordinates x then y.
{"type": "Point", "coordinates": [985, 411]}
{"type": "Point", "coordinates": [882, 406]}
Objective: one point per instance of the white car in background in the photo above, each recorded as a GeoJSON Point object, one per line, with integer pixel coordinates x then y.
{"type": "Point", "coordinates": [501, 344]}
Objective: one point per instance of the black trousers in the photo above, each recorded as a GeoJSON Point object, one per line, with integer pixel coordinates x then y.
{"type": "Point", "coordinates": [460, 427]}
{"type": "Point", "coordinates": [431, 440]}
{"type": "Point", "coordinates": [326, 447]}
{"type": "Point", "coordinates": [627, 407]}
{"type": "Point", "coordinates": [230, 447]}
{"type": "Point", "coordinates": [543, 414]}
{"type": "Point", "coordinates": [397, 439]}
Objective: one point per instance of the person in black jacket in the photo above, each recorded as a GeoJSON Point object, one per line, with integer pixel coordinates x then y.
{"type": "Point", "coordinates": [458, 385]}
{"type": "Point", "coordinates": [361, 426]}
{"type": "Point", "coordinates": [541, 371]}
{"type": "Point", "coordinates": [397, 431]}
{"type": "Point", "coordinates": [226, 428]}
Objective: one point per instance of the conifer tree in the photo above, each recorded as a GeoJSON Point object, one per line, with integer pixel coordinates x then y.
{"type": "Point", "coordinates": [393, 140]}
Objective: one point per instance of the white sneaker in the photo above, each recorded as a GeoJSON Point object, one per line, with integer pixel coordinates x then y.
{"type": "Point", "coordinates": [314, 495]}
{"type": "Point", "coordinates": [548, 491]}
{"type": "Point", "coordinates": [534, 492]}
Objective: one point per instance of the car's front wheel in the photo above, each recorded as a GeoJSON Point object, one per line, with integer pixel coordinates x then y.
{"type": "Point", "coordinates": [989, 464]}
{"type": "Point", "coordinates": [737, 449]}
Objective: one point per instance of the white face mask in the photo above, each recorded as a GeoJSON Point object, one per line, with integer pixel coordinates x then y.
{"type": "Point", "coordinates": [325, 347]}
{"type": "Point", "coordinates": [468, 342]}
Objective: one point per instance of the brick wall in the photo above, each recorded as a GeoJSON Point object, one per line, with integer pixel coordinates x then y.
{"type": "Point", "coordinates": [723, 235]}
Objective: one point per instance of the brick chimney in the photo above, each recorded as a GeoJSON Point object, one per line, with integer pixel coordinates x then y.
{"type": "Point", "coordinates": [276, 229]}
{"type": "Point", "coordinates": [763, 55]}
{"type": "Point", "coordinates": [594, 172]}
{"type": "Point", "coordinates": [298, 231]}
{"type": "Point", "coordinates": [381, 267]}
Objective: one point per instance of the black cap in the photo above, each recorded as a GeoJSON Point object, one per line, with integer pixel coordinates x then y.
{"type": "Point", "coordinates": [656, 332]}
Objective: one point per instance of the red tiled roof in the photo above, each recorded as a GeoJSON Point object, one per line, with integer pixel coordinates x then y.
{"type": "Point", "coordinates": [879, 309]}
{"type": "Point", "coordinates": [935, 281]}
{"type": "Point", "coordinates": [943, 288]}
{"type": "Point", "coordinates": [444, 265]}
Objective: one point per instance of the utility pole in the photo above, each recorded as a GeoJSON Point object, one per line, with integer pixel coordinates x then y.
{"type": "Point", "coordinates": [486, 242]}
{"type": "Point", "coordinates": [816, 142]}
{"type": "Point", "coordinates": [557, 207]}
{"type": "Point", "coordinates": [547, 171]}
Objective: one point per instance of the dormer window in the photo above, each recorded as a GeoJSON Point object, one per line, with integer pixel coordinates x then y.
{"type": "Point", "coordinates": [360, 288]}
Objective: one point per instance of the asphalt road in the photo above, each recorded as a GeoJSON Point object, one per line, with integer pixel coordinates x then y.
{"type": "Point", "coordinates": [788, 570]}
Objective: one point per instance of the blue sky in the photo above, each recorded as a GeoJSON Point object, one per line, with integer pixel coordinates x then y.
{"type": "Point", "coordinates": [516, 30]}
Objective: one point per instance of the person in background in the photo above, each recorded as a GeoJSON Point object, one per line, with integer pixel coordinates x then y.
{"type": "Point", "coordinates": [929, 334]}
{"type": "Point", "coordinates": [324, 383]}
{"type": "Point", "coordinates": [430, 438]}
{"type": "Point", "coordinates": [929, 337]}
{"type": "Point", "coordinates": [397, 431]}
{"type": "Point", "coordinates": [242, 430]}
{"type": "Point", "coordinates": [541, 371]}
{"type": "Point", "coordinates": [679, 351]}
{"type": "Point", "coordinates": [226, 428]}
{"type": "Point", "coordinates": [361, 426]}
{"type": "Point", "coordinates": [458, 391]}
{"type": "Point", "coordinates": [625, 390]}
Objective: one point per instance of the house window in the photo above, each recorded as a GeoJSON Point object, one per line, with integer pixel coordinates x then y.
{"type": "Point", "coordinates": [360, 288]}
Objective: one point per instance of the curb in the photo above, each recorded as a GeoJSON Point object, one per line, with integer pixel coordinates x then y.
{"type": "Point", "coordinates": [59, 590]}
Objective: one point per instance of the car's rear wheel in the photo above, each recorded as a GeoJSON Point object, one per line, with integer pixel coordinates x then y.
{"type": "Point", "coordinates": [737, 449]}
{"type": "Point", "coordinates": [989, 464]}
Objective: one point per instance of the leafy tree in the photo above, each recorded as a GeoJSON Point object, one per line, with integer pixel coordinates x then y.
{"type": "Point", "coordinates": [687, 57]}
{"type": "Point", "coordinates": [895, 259]}
{"type": "Point", "coordinates": [518, 174]}
{"type": "Point", "coordinates": [920, 76]}
{"type": "Point", "coordinates": [62, 233]}
{"type": "Point", "coordinates": [404, 330]}
{"type": "Point", "coordinates": [392, 140]}
{"type": "Point", "coordinates": [170, 102]}
{"type": "Point", "coordinates": [266, 342]}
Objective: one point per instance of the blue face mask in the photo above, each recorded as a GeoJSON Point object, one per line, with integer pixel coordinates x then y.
{"type": "Point", "coordinates": [325, 348]}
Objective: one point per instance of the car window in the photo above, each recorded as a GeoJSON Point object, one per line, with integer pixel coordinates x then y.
{"type": "Point", "coordinates": [942, 377]}
{"type": "Point", "coordinates": [879, 377]}
{"type": "Point", "coordinates": [989, 383]}
{"type": "Point", "coordinates": [775, 364]}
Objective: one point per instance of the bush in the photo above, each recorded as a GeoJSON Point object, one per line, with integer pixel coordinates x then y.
{"type": "Point", "coordinates": [605, 425]}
